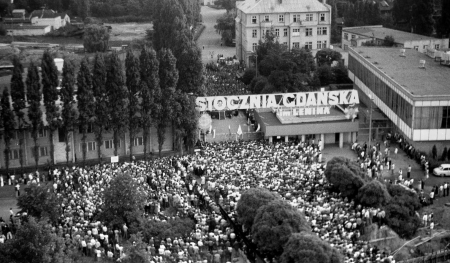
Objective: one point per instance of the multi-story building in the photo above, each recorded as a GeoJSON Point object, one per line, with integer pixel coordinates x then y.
{"type": "Point", "coordinates": [296, 24]}
{"type": "Point", "coordinates": [356, 36]}
{"type": "Point", "coordinates": [409, 87]}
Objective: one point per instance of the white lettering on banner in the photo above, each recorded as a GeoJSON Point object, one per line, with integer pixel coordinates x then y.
{"type": "Point", "coordinates": [290, 100]}
{"type": "Point", "coordinates": [303, 111]}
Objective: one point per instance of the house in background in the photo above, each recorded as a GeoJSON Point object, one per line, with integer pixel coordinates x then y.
{"type": "Point", "coordinates": [46, 17]}
{"type": "Point", "coordinates": [18, 16]}
{"type": "Point", "coordinates": [65, 19]}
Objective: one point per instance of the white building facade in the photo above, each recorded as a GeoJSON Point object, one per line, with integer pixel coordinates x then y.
{"type": "Point", "coordinates": [296, 23]}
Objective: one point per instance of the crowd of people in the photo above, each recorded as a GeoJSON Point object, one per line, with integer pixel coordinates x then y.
{"type": "Point", "coordinates": [221, 80]}
{"type": "Point", "coordinates": [197, 185]}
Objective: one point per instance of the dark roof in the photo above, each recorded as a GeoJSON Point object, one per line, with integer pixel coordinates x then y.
{"type": "Point", "coordinates": [44, 13]}
{"type": "Point", "coordinates": [406, 70]}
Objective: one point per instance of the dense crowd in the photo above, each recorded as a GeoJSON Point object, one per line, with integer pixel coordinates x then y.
{"type": "Point", "coordinates": [195, 185]}
{"type": "Point", "coordinates": [221, 80]}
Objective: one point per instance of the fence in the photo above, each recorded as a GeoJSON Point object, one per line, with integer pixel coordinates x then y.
{"type": "Point", "coordinates": [438, 256]}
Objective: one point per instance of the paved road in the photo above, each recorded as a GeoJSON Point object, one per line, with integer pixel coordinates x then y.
{"type": "Point", "coordinates": [210, 40]}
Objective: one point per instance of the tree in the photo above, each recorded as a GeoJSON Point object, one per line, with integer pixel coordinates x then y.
{"type": "Point", "coordinates": [345, 176]}
{"type": "Point", "coordinates": [340, 74]}
{"type": "Point", "coordinates": [273, 225]}
{"type": "Point", "coordinates": [86, 102]}
{"type": "Point", "coordinates": [68, 111]}
{"type": "Point", "coordinates": [325, 75]}
{"type": "Point", "coordinates": [327, 56]}
{"type": "Point", "coordinates": [422, 17]}
{"type": "Point", "coordinates": [248, 76]}
{"type": "Point", "coordinates": [18, 99]}
{"type": "Point", "coordinates": [434, 152]}
{"type": "Point", "coordinates": [444, 154]}
{"type": "Point", "coordinates": [124, 201]}
{"type": "Point", "coordinates": [227, 4]}
{"type": "Point", "coordinates": [307, 247]}
{"type": "Point", "coordinates": [168, 77]}
{"type": "Point", "coordinates": [34, 96]}
{"type": "Point", "coordinates": [226, 27]}
{"type": "Point", "coordinates": [401, 11]}
{"type": "Point", "coordinates": [40, 202]}
{"type": "Point", "coordinates": [373, 194]}
{"type": "Point", "coordinates": [117, 99]}
{"type": "Point", "coordinates": [101, 101]}
{"type": "Point", "coordinates": [96, 38]}
{"type": "Point", "coordinates": [9, 125]}
{"type": "Point", "coordinates": [133, 86]}
{"type": "Point", "coordinates": [169, 24]}
{"type": "Point", "coordinates": [149, 82]}
{"type": "Point", "coordinates": [34, 243]}
{"type": "Point", "coordinates": [49, 80]}
{"type": "Point", "coordinates": [190, 68]}
{"type": "Point", "coordinates": [249, 203]}
{"type": "Point", "coordinates": [389, 41]}
{"type": "Point", "coordinates": [442, 27]}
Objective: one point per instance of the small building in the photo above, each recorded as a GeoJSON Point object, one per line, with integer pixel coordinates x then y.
{"type": "Point", "coordinates": [19, 13]}
{"type": "Point", "coordinates": [356, 36]}
{"type": "Point", "coordinates": [46, 17]}
{"type": "Point", "coordinates": [28, 30]}
{"type": "Point", "coordinates": [65, 19]}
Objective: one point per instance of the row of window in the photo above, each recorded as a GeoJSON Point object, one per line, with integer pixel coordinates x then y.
{"type": "Point", "coordinates": [308, 45]}
{"type": "Point", "coordinates": [321, 31]}
{"type": "Point", "coordinates": [295, 18]}
{"type": "Point", "coordinates": [14, 154]}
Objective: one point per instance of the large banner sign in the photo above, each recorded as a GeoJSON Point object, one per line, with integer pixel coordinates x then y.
{"type": "Point", "coordinates": [290, 100]}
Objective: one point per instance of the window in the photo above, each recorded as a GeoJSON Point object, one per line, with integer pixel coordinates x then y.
{"type": "Point", "coordinates": [43, 151]}
{"type": "Point", "coordinates": [308, 45]}
{"type": "Point", "coordinates": [254, 33]}
{"type": "Point", "coordinates": [324, 44]}
{"type": "Point", "coordinates": [445, 124]}
{"type": "Point", "coordinates": [42, 133]}
{"type": "Point", "coordinates": [253, 19]}
{"type": "Point", "coordinates": [416, 47]}
{"type": "Point", "coordinates": [296, 32]}
{"type": "Point", "coordinates": [266, 18]}
{"type": "Point", "coordinates": [425, 47]}
{"type": "Point", "coordinates": [280, 18]}
{"type": "Point", "coordinates": [296, 18]}
{"type": "Point", "coordinates": [90, 146]}
{"type": "Point", "coordinates": [345, 36]}
{"type": "Point", "coordinates": [296, 44]}
{"type": "Point", "coordinates": [14, 154]}
{"type": "Point", "coordinates": [277, 32]}
{"type": "Point", "coordinates": [319, 44]}
{"type": "Point", "coordinates": [108, 144]}
{"type": "Point", "coordinates": [322, 17]}
{"type": "Point", "coordinates": [436, 46]}
{"type": "Point", "coordinates": [62, 134]}
{"type": "Point", "coordinates": [309, 17]}
{"type": "Point", "coordinates": [254, 45]}
{"type": "Point", "coordinates": [308, 32]}
{"type": "Point", "coordinates": [353, 36]}
{"type": "Point", "coordinates": [285, 44]}
{"type": "Point", "coordinates": [89, 128]}
{"type": "Point", "coordinates": [138, 141]}
{"type": "Point", "coordinates": [285, 32]}
{"type": "Point", "coordinates": [321, 31]}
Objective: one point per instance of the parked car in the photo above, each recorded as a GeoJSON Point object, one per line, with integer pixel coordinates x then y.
{"type": "Point", "coordinates": [443, 170]}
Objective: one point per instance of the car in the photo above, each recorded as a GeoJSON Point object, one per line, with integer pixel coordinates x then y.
{"type": "Point", "coordinates": [442, 170]}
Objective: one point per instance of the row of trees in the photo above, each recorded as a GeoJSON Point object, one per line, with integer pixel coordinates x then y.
{"type": "Point", "coordinates": [295, 70]}
{"type": "Point", "coordinates": [281, 231]}
{"type": "Point", "coordinates": [106, 99]}
{"type": "Point", "coordinates": [400, 204]}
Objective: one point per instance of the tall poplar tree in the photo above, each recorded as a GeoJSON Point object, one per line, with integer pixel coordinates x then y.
{"type": "Point", "coordinates": [101, 100]}
{"type": "Point", "coordinates": [18, 99]}
{"type": "Point", "coordinates": [190, 68]}
{"type": "Point", "coordinates": [34, 110]}
{"type": "Point", "coordinates": [68, 110]}
{"type": "Point", "coordinates": [168, 79]}
{"type": "Point", "coordinates": [422, 21]}
{"type": "Point", "coordinates": [86, 102]}
{"type": "Point", "coordinates": [149, 65]}
{"type": "Point", "coordinates": [442, 27]}
{"type": "Point", "coordinates": [49, 74]}
{"type": "Point", "coordinates": [133, 87]}
{"type": "Point", "coordinates": [9, 125]}
{"type": "Point", "coordinates": [117, 99]}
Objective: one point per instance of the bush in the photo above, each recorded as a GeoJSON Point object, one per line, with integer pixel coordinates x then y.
{"type": "Point", "coordinates": [306, 247]}
{"type": "Point", "coordinates": [96, 38]}
{"type": "Point", "coordinates": [345, 176]}
{"type": "Point", "coordinates": [273, 225]}
{"type": "Point", "coordinates": [373, 194]}
{"type": "Point", "coordinates": [248, 76]}
{"type": "Point", "coordinates": [179, 227]}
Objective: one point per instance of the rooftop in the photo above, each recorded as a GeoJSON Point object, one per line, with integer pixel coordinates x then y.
{"type": "Point", "coordinates": [280, 6]}
{"type": "Point", "coordinates": [381, 32]}
{"type": "Point", "coordinates": [25, 27]}
{"type": "Point", "coordinates": [44, 13]}
{"type": "Point", "coordinates": [406, 71]}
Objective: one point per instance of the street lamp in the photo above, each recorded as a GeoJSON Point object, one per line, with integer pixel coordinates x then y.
{"type": "Point", "coordinates": [370, 120]}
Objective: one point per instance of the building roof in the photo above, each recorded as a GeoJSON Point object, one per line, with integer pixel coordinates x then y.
{"type": "Point", "coordinates": [280, 6]}
{"type": "Point", "coordinates": [406, 71]}
{"type": "Point", "coordinates": [44, 13]}
{"type": "Point", "coordinates": [25, 27]}
{"type": "Point", "coordinates": [381, 32]}
{"type": "Point", "coordinates": [19, 11]}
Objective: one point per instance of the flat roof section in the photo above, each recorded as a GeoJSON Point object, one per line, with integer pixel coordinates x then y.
{"type": "Point", "coordinates": [433, 80]}
{"type": "Point", "coordinates": [380, 32]}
